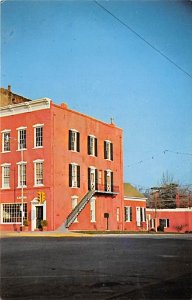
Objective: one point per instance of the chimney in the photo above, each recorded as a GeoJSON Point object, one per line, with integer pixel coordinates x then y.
{"type": "Point", "coordinates": [9, 88]}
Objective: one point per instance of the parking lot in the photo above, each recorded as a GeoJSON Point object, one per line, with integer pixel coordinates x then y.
{"type": "Point", "coordinates": [96, 267]}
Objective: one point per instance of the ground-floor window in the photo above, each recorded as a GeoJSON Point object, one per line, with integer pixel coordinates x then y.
{"type": "Point", "coordinates": [164, 223]}
{"type": "Point", "coordinates": [128, 213]}
{"type": "Point", "coordinates": [11, 212]}
{"type": "Point", "coordinates": [92, 210]}
{"type": "Point", "coordinates": [118, 214]}
{"type": "Point", "coordinates": [143, 214]}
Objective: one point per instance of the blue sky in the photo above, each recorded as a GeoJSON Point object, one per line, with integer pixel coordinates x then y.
{"type": "Point", "coordinates": [76, 52]}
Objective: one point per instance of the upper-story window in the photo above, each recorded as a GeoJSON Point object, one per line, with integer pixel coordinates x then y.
{"type": "Point", "coordinates": [92, 145]}
{"type": "Point", "coordinates": [5, 176]}
{"type": "Point", "coordinates": [74, 140]}
{"type": "Point", "coordinates": [108, 150]}
{"type": "Point", "coordinates": [6, 141]}
{"type": "Point", "coordinates": [38, 136]}
{"type": "Point", "coordinates": [74, 175]}
{"type": "Point", "coordinates": [38, 172]}
{"type": "Point", "coordinates": [108, 174]}
{"type": "Point", "coordinates": [92, 178]}
{"type": "Point", "coordinates": [22, 180]}
{"type": "Point", "coordinates": [22, 143]}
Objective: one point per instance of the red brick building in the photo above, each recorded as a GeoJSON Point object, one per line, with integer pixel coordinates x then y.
{"type": "Point", "coordinates": [134, 209]}
{"type": "Point", "coordinates": [173, 220]}
{"type": "Point", "coordinates": [65, 167]}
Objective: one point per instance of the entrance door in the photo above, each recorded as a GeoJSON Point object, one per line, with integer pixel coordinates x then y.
{"type": "Point", "coordinates": [39, 216]}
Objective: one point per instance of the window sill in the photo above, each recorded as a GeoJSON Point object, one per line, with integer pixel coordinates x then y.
{"type": "Point", "coordinates": [24, 149]}
{"type": "Point", "coordinates": [5, 188]}
{"type": "Point", "coordinates": [39, 147]}
{"type": "Point", "coordinates": [6, 151]}
{"type": "Point", "coordinates": [38, 185]}
{"type": "Point", "coordinates": [20, 187]}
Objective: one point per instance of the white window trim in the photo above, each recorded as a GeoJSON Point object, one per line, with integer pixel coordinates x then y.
{"type": "Point", "coordinates": [35, 177]}
{"type": "Point", "coordinates": [109, 152]}
{"type": "Point", "coordinates": [21, 128]}
{"type": "Point", "coordinates": [165, 221]}
{"type": "Point", "coordinates": [129, 214]}
{"type": "Point", "coordinates": [2, 173]}
{"type": "Point", "coordinates": [75, 142]}
{"type": "Point", "coordinates": [38, 125]}
{"type": "Point", "coordinates": [2, 145]}
{"type": "Point", "coordinates": [93, 209]}
{"type": "Point", "coordinates": [18, 171]}
{"type": "Point", "coordinates": [34, 134]}
{"type": "Point", "coordinates": [18, 138]}
{"type": "Point", "coordinates": [1, 216]}
{"type": "Point", "coordinates": [74, 182]}
{"type": "Point", "coordinates": [74, 197]}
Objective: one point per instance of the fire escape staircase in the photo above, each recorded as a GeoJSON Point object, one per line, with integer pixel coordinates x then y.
{"type": "Point", "coordinates": [78, 208]}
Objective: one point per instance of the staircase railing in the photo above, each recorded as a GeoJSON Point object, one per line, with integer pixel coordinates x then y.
{"type": "Point", "coordinates": [78, 208]}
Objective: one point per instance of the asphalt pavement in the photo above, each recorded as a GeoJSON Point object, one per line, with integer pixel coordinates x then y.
{"type": "Point", "coordinates": [96, 267]}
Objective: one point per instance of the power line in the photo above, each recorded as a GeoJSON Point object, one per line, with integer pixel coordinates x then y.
{"type": "Point", "coordinates": [177, 152]}
{"type": "Point", "coordinates": [143, 39]}
{"type": "Point", "coordinates": [155, 156]}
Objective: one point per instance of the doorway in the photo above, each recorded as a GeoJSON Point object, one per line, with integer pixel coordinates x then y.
{"type": "Point", "coordinates": [39, 216]}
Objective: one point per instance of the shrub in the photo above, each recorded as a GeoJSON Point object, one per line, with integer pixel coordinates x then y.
{"type": "Point", "coordinates": [44, 223]}
{"type": "Point", "coordinates": [26, 222]}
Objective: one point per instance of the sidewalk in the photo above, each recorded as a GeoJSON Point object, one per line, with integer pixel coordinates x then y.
{"type": "Point", "coordinates": [42, 234]}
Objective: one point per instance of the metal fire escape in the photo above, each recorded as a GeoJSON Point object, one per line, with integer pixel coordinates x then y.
{"type": "Point", "coordinates": [78, 208]}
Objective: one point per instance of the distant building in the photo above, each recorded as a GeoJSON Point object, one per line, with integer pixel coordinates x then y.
{"type": "Point", "coordinates": [172, 220]}
{"type": "Point", "coordinates": [66, 168]}
{"type": "Point", "coordinates": [7, 97]}
{"type": "Point", "coordinates": [134, 209]}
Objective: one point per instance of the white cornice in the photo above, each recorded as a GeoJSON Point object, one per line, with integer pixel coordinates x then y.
{"type": "Point", "coordinates": [134, 198]}
{"type": "Point", "coordinates": [25, 107]}
{"type": "Point", "coordinates": [169, 209]}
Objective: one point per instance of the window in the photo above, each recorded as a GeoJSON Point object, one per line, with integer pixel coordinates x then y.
{"type": "Point", "coordinates": [118, 214]}
{"type": "Point", "coordinates": [164, 222]}
{"type": "Point", "coordinates": [38, 136]}
{"type": "Point", "coordinates": [6, 176]}
{"type": "Point", "coordinates": [11, 213]}
{"type": "Point", "coordinates": [74, 201]}
{"type": "Point", "coordinates": [92, 178]}
{"type": "Point", "coordinates": [22, 174]}
{"type": "Point", "coordinates": [38, 172]}
{"type": "Point", "coordinates": [143, 214]}
{"type": "Point", "coordinates": [74, 175]}
{"type": "Point", "coordinates": [92, 145]}
{"type": "Point", "coordinates": [5, 141]}
{"type": "Point", "coordinates": [22, 138]}
{"type": "Point", "coordinates": [108, 175]}
{"type": "Point", "coordinates": [128, 213]}
{"type": "Point", "coordinates": [74, 140]}
{"type": "Point", "coordinates": [108, 150]}
{"type": "Point", "coordinates": [92, 210]}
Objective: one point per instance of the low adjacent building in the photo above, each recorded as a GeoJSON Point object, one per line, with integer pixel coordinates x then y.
{"type": "Point", "coordinates": [134, 209]}
{"type": "Point", "coordinates": [171, 220]}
